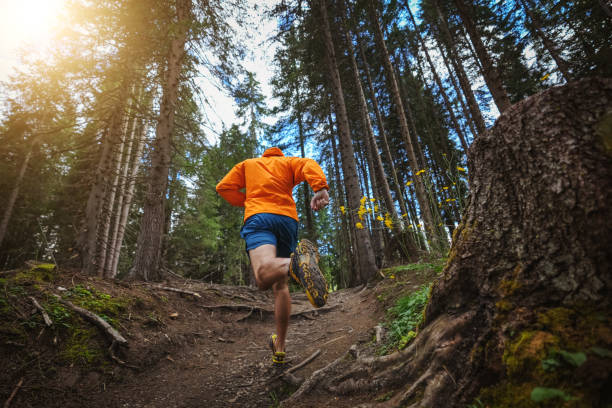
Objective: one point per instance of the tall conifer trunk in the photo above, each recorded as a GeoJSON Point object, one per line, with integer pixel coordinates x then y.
{"type": "Point", "coordinates": [6, 217]}
{"type": "Point", "coordinates": [382, 132]}
{"type": "Point", "coordinates": [399, 108]}
{"type": "Point", "coordinates": [148, 254]}
{"type": "Point", "coordinates": [490, 72]}
{"type": "Point", "coordinates": [548, 43]}
{"type": "Point", "coordinates": [434, 71]}
{"type": "Point", "coordinates": [366, 266]}
{"type": "Point", "coordinates": [466, 87]}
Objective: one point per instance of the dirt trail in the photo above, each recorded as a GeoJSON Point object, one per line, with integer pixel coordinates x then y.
{"type": "Point", "coordinates": [213, 358]}
{"type": "Point", "coordinates": [184, 351]}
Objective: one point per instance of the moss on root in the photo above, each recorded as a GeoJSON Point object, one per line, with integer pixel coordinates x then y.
{"type": "Point", "coordinates": [563, 356]}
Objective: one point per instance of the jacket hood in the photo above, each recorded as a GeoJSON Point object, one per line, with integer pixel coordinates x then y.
{"type": "Point", "coordinates": [273, 151]}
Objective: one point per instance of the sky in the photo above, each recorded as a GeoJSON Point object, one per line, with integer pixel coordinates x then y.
{"type": "Point", "coordinates": [29, 24]}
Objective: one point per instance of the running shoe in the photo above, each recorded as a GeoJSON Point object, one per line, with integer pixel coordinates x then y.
{"type": "Point", "coordinates": [304, 269]}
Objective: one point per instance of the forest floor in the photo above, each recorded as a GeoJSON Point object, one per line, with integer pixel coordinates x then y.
{"type": "Point", "coordinates": [183, 350]}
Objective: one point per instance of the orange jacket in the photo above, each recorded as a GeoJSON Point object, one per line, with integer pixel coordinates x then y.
{"type": "Point", "coordinates": [269, 182]}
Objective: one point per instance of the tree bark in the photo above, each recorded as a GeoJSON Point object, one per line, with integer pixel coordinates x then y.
{"type": "Point", "coordinates": [490, 72]}
{"type": "Point", "coordinates": [148, 254]}
{"type": "Point", "coordinates": [349, 240]}
{"type": "Point", "coordinates": [366, 264]}
{"type": "Point", "coordinates": [528, 272]}
{"type": "Point", "coordinates": [399, 107]}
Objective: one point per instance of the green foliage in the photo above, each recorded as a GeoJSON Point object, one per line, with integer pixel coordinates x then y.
{"type": "Point", "coordinates": [81, 347]}
{"type": "Point", "coordinates": [540, 394]}
{"type": "Point", "coordinates": [404, 319]}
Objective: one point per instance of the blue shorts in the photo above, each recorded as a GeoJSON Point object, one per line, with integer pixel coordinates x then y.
{"type": "Point", "coordinates": [274, 229]}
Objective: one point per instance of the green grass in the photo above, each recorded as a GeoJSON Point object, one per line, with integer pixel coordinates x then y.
{"type": "Point", "coordinates": [404, 318]}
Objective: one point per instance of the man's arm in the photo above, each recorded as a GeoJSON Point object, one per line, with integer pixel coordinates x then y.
{"type": "Point", "coordinates": [309, 170]}
{"type": "Point", "coordinates": [229, 187]}
{"type": "Point", "coordinates": [320, 200]}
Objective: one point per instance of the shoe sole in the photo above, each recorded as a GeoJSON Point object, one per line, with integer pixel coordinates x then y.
{"type": "Point", "coordinates": [311, 279]}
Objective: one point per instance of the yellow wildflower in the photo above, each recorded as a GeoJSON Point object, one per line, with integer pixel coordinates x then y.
{"type": "Point", "coordinates": [409, 183]}
{"type": "Point", "coordinates": [361, 211]}
{"type": "Point", "coordinates": [389, 223]}
{"type": "Point", "coordinates": [453, 199]}
{"type": "Point", "coordinates": [545, 77]}
{"type": "Point", "coordinates": [404, 215]}
{"type": "Point", "coordinates": [363, 199]}
{"type": "Point", "coordinates": [379, 218]}
{"type": "Point", "coordinates": [376, 208]}
{"type": "Point", "coordinates": [460, 169]}
{"type": "Point", "coordinates": [418, 173]}
{"type": "Point", "coordinates": [359, 225]}
{"type": "Point", "coordinates": [440, 224]}
{"type": "Point", "coordinates": [454, 184]}
{"type": "Point", "coordinates": [440, 204]}
{"type": "Point", "coordinates": [392, 277]}
{"type": "Point", "coordinates": [444, 188]}
{"type": "Point", "coordinates": [342, 210]}
{"type": "Point", "coordinates": [419, 225]}
{"type": "Point", "coordinates": [447, 200]}
{"type": "Point", "coordinates": [409, 225]}
{"type": "Point", "coordinates": [369, 210]}
{"type": "Point", "coordinates": [372, 199]}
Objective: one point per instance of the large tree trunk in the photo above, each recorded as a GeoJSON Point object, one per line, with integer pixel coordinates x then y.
{"type": "Point", "coordinates": [148, 254]}
{"type": "Point", "coordinates": [490, 72]}
{"type": "Point", "coordinates": [366, 265]}
{"type": "Point", "coordinates": [528, 272]}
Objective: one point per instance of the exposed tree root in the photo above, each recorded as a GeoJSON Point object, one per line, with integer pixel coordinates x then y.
{"type": "Point", "coordinates": [251, 309]}
{"type": "Point", "coordinates": [177, 290]}
{"type": "Point", "coordinates": [109, 330]}
{"type": "Point", "coordinates": [42, 311]}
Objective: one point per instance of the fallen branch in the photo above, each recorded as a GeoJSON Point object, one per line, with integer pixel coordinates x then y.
{"type": "Point", "coordinates": [183, 291]}
{"type": "Point", "coordinates": [15, 390]}
{"type": "Point", "coordinates": [97, 320]}
{"type": "Point", "coordinates": [42, 311]}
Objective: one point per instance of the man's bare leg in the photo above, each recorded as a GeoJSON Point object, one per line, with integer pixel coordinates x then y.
{"type": "Point", "coordinates": [271, 271]}
{"type": "Point", "coordinates": [282, 311]}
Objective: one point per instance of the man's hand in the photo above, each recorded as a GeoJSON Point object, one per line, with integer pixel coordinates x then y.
{"type": "Point", "coordinates": [320, 200]}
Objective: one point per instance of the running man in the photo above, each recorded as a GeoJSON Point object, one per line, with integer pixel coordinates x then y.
{"type": "Point", "coordinates": [264, 186]}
